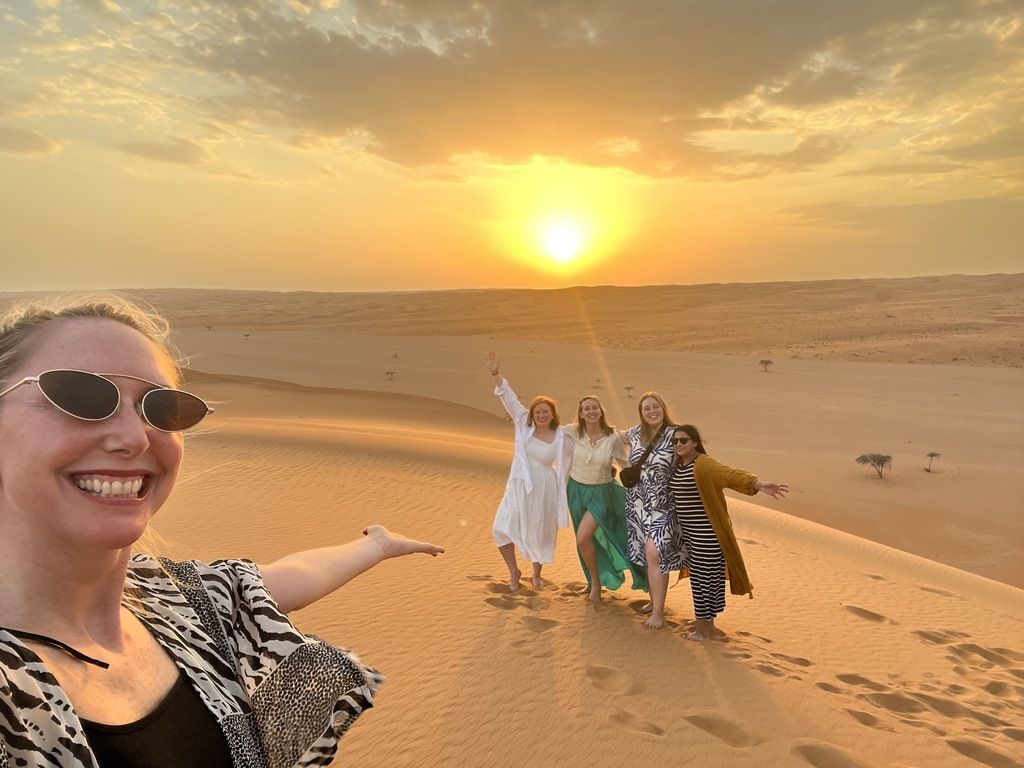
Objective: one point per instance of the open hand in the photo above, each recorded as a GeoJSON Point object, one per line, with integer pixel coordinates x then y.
{"type": "Point", "coordinates": [492, 363]}
{"type": "Point", "coordinates": [775, 490]}
{"type": "Point", "coordinates": [396, 545]}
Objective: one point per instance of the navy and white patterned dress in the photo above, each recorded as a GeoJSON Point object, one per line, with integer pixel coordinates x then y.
{"type": "Point", "coordinates": [650, 513]}
{"type": "Point", "coordinates": [281, 698]}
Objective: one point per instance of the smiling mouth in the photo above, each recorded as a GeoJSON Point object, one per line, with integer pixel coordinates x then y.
{"type": "Point", "coordinates": [108, 487]}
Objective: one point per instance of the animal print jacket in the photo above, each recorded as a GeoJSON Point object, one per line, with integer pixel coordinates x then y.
{"type": "Point", "coordinates": [282, 698]}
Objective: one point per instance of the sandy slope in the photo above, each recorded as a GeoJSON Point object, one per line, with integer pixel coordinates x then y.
{"type": "Point", "coordinates": [804, 423]}
{"type": "Point", "coordinates": [852, 654]}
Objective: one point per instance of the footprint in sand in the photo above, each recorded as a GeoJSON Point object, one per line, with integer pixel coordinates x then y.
{"type": "Point", "coordinates": [866, 718]}
{"type": "Point", "coordinates": [967, 652]}
{"type": "Point", "coordinates": [821, 754]}
{"type": "Point", "coordinates": [862, 682]}
{"type": "Point", "coordinates": [736, 655]}
{"type": "Point", "coordinates": [864, 613]}
{"type": "Point", "coordinates": [537, 603]}
{"type": "Point", "coordinates": [936, 591]}
{"type": "Point", "coordinates": [726, 730]}
{"type": "Point", "coordinates": [981, 753]}
{"type": "Point", "coordinates": [829, 688]}
{"type": "Point", "coordinates": [529, 648]}
{"type": "Point", "coordinates": [613, 681]}
{"type": "Point", "coordinates": [768, 669]}
{"type": "Point", "coordinates": [1017, 734]}
{"type": "Point", "coordinates": [538, 624]}
{"type": "Point", "coordinates": [741, 633]}
{"type": "Point", "coordinates": [876, 577]}
{"type": "Point", "coordinates": [897, 703]}
{"type": "Point", "coordinates": [951, 708]}
{"type": "Point", "coordinates": [631, 722]}
{"type": "Point", "coordinates": [504, 603]}
{"type": "Point", "coordinates": [939, 636]}
{"type": "Point", "coordinates": [800, 662]}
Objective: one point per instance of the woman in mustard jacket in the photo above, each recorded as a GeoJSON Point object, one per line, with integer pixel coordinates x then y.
{"type": "Point", "coordinates": [696, 484]}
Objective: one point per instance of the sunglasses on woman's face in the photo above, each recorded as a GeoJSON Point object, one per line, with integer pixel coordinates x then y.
{"type": "Point", "coordinates": [681, 440]}
{"type": "Point", "coordinates": [94, 397]}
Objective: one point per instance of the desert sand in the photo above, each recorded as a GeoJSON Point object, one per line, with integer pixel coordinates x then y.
{"type": "Point", "coordinates": [887, 627]}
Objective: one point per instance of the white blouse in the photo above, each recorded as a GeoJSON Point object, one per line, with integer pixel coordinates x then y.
{"type": "Point", "coordinates": [592, 462]}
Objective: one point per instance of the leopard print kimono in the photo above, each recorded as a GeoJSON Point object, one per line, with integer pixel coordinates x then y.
{"type": "Point", "coordinates": [281, 698]}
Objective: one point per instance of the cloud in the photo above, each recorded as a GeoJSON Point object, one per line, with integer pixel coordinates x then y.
{"type": "Point", "coordinates": [177, 151]}
{"type": "Point", "coordinates": [22, 142]}
{"type": "Point", "coordinates": [807, 87]}
{"type": "Point", "coordinates": [898, 169]}
{"type": "Point", "coordinates": [511, 79]}
{"type": "Point", "coordinates": [999, 145]}
{"type": "Point", "coordinates": [597, 82]}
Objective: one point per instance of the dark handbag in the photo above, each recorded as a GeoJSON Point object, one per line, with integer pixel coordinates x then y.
{"type": "Point", "coordinates": [630, 476]}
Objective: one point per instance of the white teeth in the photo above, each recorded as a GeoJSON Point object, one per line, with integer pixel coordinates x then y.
{"type": "Point", "coordinates": [125, 489]}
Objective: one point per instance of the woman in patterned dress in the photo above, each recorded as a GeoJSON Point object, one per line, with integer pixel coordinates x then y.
{"type": "Point", "coordinates": [597, 503]}
{"type": "Point", "coordinates": [696, 484]}
{"type": "Point", "coordinates": [534, 504]}
{"type": "Point", "coordinates": [654, 540]}
{"type": "Point", "coordinates": [109, 658]}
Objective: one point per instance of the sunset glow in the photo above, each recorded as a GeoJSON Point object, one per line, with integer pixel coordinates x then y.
{"type": "Point", "coordinates": [562, 238]}
{"type": "Point", "coordinates": [374, 146]}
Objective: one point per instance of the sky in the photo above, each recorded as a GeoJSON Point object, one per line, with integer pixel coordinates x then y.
{"type": "Point", "coordinates": [422, 144]}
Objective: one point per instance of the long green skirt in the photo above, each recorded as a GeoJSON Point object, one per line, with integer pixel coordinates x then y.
{"type": "Point", "coordinates": [607, 505]}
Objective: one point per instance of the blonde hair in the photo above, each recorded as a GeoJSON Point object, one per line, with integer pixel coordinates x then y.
{"type": "Point", "coordinates": [666, 417]}
{"type": "Point", "coordinates": [22, 325]}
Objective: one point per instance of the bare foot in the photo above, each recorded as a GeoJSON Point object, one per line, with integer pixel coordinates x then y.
{"type": "Point", "coordinates": [513, 581]}
{"type": "Point", "coordinates": [697, 637]}
{"type": "Point", "coordinates": [538, 582]}
{"type": "Point", "coordinates": [595, 595]}
{"type": "Point", "coordinates": [655, 622]}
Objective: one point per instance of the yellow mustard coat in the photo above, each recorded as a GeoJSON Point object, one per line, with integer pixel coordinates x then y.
{"type": "Point", "coordinates": [712, 477]}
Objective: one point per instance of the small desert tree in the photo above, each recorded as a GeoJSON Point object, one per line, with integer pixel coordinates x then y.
{"type": "Point", "coordinates": [931, 457]}
{"type": "Point", "coordinates": [879, 461]}
{"type": "Point", "coordinates": [766, 364]}
{"type": "Point", "coordinates": [390, 375]}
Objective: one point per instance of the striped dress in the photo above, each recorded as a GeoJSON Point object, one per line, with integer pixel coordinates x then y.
{"type": "Point", "coordinates": [704, 555]}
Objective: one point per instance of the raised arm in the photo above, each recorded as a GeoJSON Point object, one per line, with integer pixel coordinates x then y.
{"type": "Point", "coordinates": [508, 398]}
{"type": "Point", "coordinates": [301, 579]}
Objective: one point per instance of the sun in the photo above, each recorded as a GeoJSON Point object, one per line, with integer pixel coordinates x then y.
{"type": "Point", "coordinates": [562, 238]}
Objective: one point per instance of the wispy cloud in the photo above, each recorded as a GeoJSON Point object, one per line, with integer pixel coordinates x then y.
{"type": "Point", "coordinates": [21, 142]}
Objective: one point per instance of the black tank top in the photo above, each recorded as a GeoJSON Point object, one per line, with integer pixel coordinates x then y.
{"type": "Point", "coordinates": [180, 731]}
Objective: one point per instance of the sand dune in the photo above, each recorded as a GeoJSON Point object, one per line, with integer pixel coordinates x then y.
{"type": "Point", "coordinates": [852, 653]}
{"type": "Point", "coordinates": [886, 630]}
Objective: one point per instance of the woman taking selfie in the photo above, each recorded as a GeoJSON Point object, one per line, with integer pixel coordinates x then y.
{"type": "Point", "coordinates": [114, 659]}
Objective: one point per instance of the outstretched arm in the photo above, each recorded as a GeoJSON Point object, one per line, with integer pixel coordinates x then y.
{"type": "Point", "coordinates": [301, 579]}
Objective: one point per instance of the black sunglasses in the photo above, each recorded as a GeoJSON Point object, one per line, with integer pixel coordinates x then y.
{"type": "Point", "coordinates": [94, 397]}
{"type": "Point", "coordinates": [681, 440]}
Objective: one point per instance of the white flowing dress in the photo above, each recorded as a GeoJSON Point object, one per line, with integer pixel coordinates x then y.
{"type": "Point", "coordinates": [534, 506]}
{"type": "Point", "coordinates": [529, 519]}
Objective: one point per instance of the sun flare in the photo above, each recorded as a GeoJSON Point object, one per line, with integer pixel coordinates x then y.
{"type": "Point", "coordinates": [563, 239]}
{"type": "Point", "coordinates": [563, 219]}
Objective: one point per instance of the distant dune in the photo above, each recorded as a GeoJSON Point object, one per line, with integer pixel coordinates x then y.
{"type": "Point", "coordinates": [952, 319]}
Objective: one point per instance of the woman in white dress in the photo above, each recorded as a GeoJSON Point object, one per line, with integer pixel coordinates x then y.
{"type": "Point", "coordinates": [534, 506]}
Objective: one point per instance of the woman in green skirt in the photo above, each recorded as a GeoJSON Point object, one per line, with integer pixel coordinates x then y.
{"type": "Point", "coordinates": [597, 502]}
